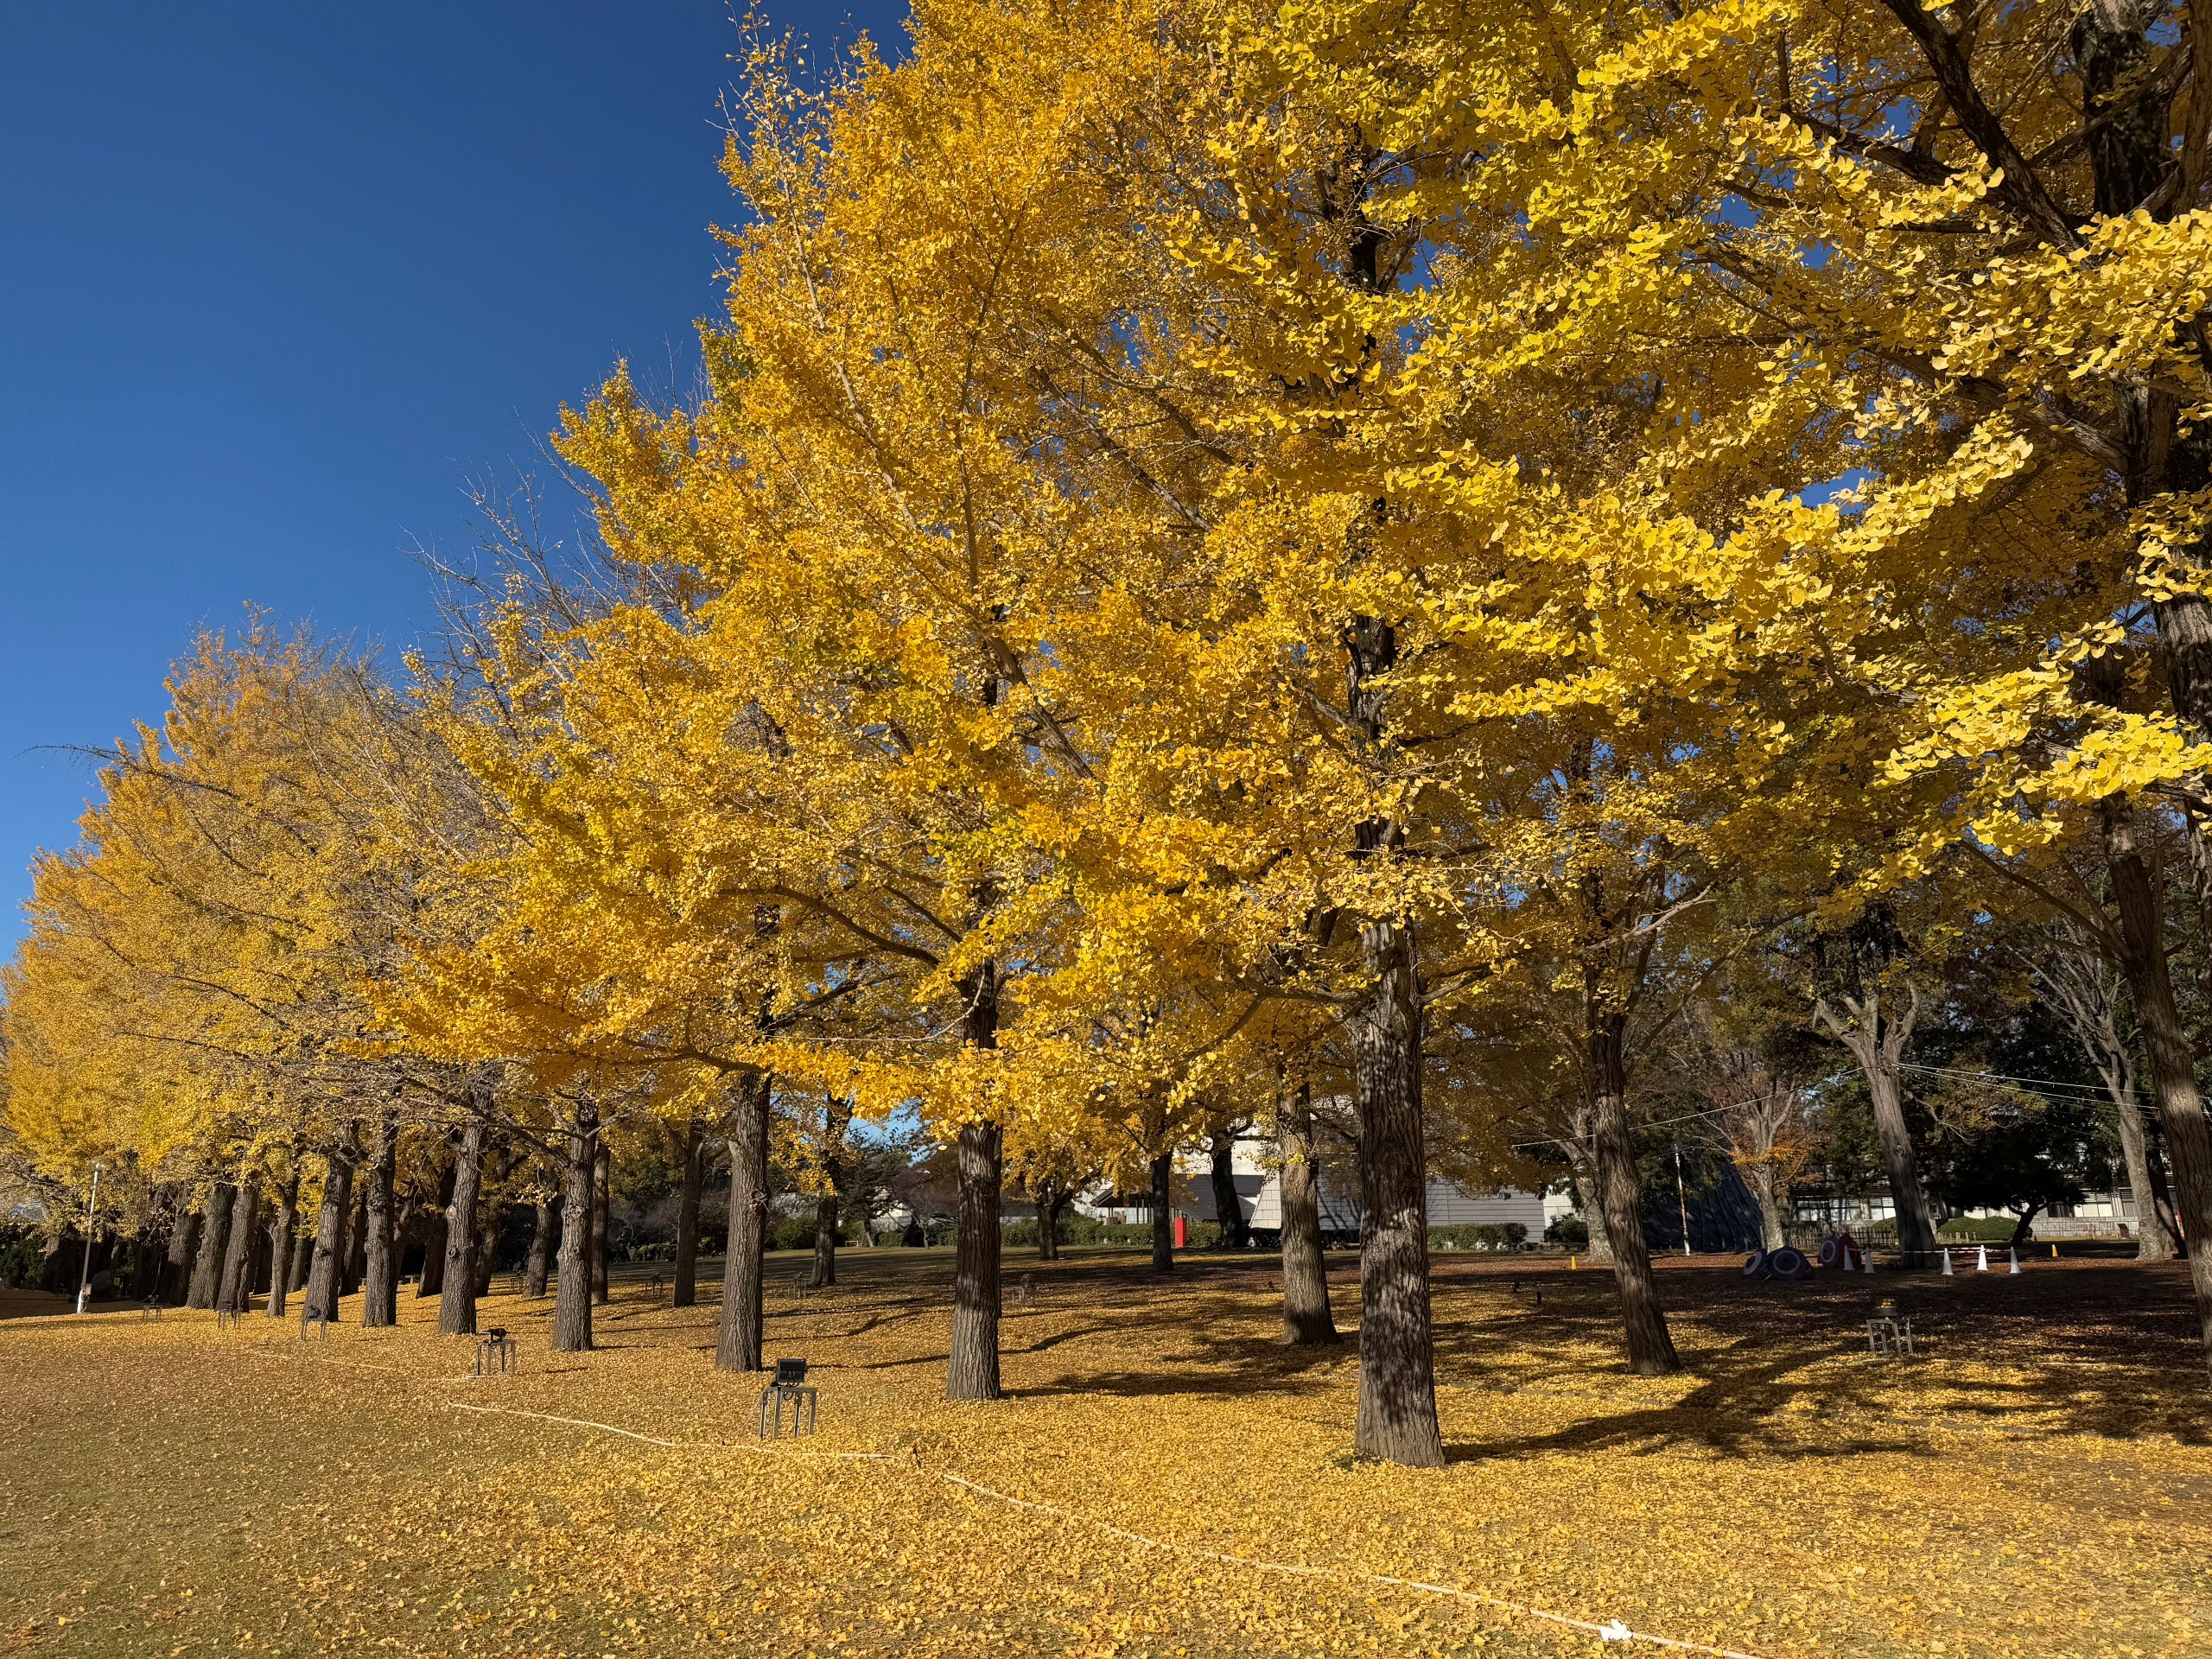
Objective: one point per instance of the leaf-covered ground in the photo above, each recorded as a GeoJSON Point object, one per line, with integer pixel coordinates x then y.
{"type": "Point", "coordinates": [1164, 1480]}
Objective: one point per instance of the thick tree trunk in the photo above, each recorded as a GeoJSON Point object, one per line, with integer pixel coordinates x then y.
{"type": "Point", "coordinates": [1051, 1199]}
{"type": "Point", "coordinates": [1307, 1320]}
{"type": "Point", "coordinates": [572, 1288]}
{"type": "Point", "coordinates": [323, 1274]}
{"type": "Point", "coordinates": [355, 1254]}
{"type": "Point", "coordinates": [214, 1236]}
{"type": "Point", "coordinates": [686, 1291]}
{"type": "Point", "coordinates": [2166, 1043]}
{"type": "Point", "coordinates": [1916, 1226]}
{"type": "Point", "coordinates": [972, 1369]}
{"type": "Point", "coordinates": [380, 1279]}
{"type": "Point", "coordinates": [457, 1297]}
{"type": "Point", "coordinates": [541, 1249]}
{"type": "Point", "coordinates": [432, 1279]}
{"type": "Point", "coordinates": [281, 1227]}
{"type": "Point", "coordinates": [601, 1196]}
{"type": "Point", "coordinates": [1163, 1212]}
{"type": "Point", "coordinates": [1650, 1348]}
{"type": "Point", "coordinates": [1773, 1234]}
{"type": "Point", "coordinates": [1396, 1418]}
{"type": "Point", "coordinates": [739, 1332]}
{"type": "Point", "coordinates": [236, 1292]}
{"type": "Point", "coordinates": [2153, 1242]}
{"type": "Point", "coordinates": [1228, 1208]}
{"type": "Point", "coordinates": [184, 1234]}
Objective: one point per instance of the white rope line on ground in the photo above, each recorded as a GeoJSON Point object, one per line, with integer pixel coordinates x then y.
{"type": "Point", "coordinates": [1614, 1631]}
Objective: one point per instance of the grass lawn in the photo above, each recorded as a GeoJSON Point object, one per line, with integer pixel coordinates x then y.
{"type": "Point", "coordinates": [2038, 1483]}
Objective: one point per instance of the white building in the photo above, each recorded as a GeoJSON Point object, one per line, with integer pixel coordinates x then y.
{"type": "Point", "coordinates": [1259, 1193]}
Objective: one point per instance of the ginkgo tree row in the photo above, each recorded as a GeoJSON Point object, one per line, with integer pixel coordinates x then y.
{"type": "Point", "coordinates": [1227, 553]}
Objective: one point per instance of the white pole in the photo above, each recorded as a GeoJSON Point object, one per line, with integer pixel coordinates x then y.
{"type": "Point", "coordinates": [85, 1273]}
{"type": "Point", "coordinates": [1681, 1197]}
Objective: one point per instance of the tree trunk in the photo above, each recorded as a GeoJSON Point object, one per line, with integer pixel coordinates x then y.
{"type": "Point", "coordinates": [1396, 1419]}
{"type": "Point", "coordinates": [2154, 1242]}
{"type": "Point", "coordinates": [541, 1249]}
{"type": "Point", "coordinates": [1228, 1208]}
{"type": "Point", "coordinates": [1599, 1250]}
{"type": "Point", "coordinates": [1052, 1199]}
{"type": "Point", "coordinates": [214, 1235]}
{"type": "Point", "coordinates": [2165, 1042]}
{"type": "Point", "coordinates": [739, 1332]}
{"type": "Point", "coordinates": [432, 1279]}
{"type": "Point", "coordinates": [602, 1181]}
{"type": "Point", "coordinates": [281, 1227]}
{"type": "Point", "coordinates": [1650, 1348]}
{"type": "Point", "coordinates": [836, 1121]}
{"type": "Point", "coordinates": [1307, 1321]}
{"type": "Point", "coordinates": [355, 1256]}
{"type": "Point", "coordinates": [322, 1276]}
{"type": "Point", "coordinates": [1773, 1234]}
{"type": "Point", "coordinates": [1916, 1227]}
{"type": "Point", "coordinates": [487, 1256]}
{"type": "Point", "coordinates": [686, 1291]}
{"type": "Point", "coordinates": [380, 1279]}
{"type": "Point", "coordinates": [1163, 1209]}
{"type": "Point", "coordinates": [236, 1292]}
{"type": "Point", "coordinates": [183, 1235]}
{"type": "Point", "coordinates": [572, 1288]}
{"type": "Point", "coordinates": [972, 1369]}
{"type": "Point", "coordinates": [457, 1296]}
{"type": "Point", "coordinates": [2023, 1226]}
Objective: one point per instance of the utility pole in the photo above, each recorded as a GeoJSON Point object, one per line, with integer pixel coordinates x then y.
{"type": "Point", "coordinates": [1682, 1198]}
{"type": "Point", "coordinates": [85, 1273]}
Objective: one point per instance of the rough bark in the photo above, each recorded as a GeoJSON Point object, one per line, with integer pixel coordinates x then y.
{"type": "Point", "coordinates": [1052, 1201]}
{"type": "Point", "coordinates": [572, 1286]}
{"type": "Point", "coordinates": [1228, 1208]}
{"type": "Point", "coordinates": [602, 1181]}
{"type": "Point", "coordinates": [1307, 1320]}
{"type": "Point", "coordinates": [214, 1236]}
{"type": "Point", "coordinates": [235, 1293]}
{"type": "Point", "coordinates": [322, 1273]}
{"type": "Point", "coordinates": [686, 1291]}
{"type": "Point", "coordinates": [355, 1253]}
{"type": "Point", "coordinates": [1396, 1417]}
{"type": "Point", "coordinates": [972, 1368]}
{"type": "Point", "coordinates": [540, 1261]}
{"type": "Point", "coordinates": [184, 1234]}
{"type": "Point", "coordinates": [457, 1296]}
{"type": "Point", "coordinates": [1773, 1233]}
{"type": "Point", "coordinates": [1650, 1348]}
{"type": "Point", "coordinates": [739, 1332]}
{"type": "Point", "coordinates": [1163, 1212]}
{"type": "Point", "coordinates": [1875, 1041]}
{"type": "Point", "coordinates": [432, 1279]}
{"type": "Point", "coordinates": [486, 1254]}
{"type": "Point", "coordinates": [2136, 899]}
{"type": "Point", "coordinates": [280, 1226]}
{"type": "Point", "coordinates": [380, 1278]}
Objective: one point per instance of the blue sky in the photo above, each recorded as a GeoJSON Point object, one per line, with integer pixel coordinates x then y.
{"type": "Point", "coordinates": [278, 281]}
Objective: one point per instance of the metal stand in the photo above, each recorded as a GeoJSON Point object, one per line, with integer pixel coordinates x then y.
{"type": "Point", "coordinates": [494, 1347]}
{"type": "Point", "coordinates": [149, 1309]}
{"type": "Point", "coordinates": [1889, 1335]}
{"type": "Point", "coordinates": [790, 1385]}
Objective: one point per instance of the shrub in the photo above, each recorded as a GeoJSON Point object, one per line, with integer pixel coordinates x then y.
{"type": "Point", "coordinates": [1482, 1236]}
{"type": "Point", "coordinates": [1571, 1232]}
{"type": "Point", "coordinates": [1978, 1229]}
{"type": "Point", "coordinates": [22, 1253]}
